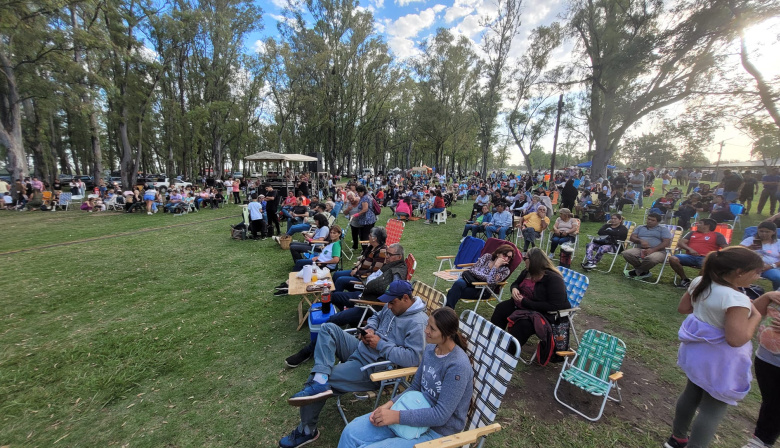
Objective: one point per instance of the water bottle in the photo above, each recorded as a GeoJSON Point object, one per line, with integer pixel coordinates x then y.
{"type": "Point", "coordinates": [325, 300]}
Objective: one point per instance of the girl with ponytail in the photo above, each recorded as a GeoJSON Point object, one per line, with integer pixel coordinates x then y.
{"type": "Point", "coordinates": [444, 379]}
{"type": "Point", "coordinates": [715, 349]}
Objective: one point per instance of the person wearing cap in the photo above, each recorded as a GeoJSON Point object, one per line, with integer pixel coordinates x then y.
{"type": "Point", "coordinates": [396, 334]}
{"type": "Point", "coordinates": [394, 268]}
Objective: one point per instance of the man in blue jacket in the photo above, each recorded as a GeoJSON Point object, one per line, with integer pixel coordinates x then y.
{"type": "Point", "coordinates": [395, 334]}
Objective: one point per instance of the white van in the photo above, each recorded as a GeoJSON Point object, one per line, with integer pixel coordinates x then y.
{"type": "Point", "coordinates": [368, 171]}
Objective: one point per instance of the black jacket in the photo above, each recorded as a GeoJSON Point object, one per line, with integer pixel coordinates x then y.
{"type": "Point", "coordinates": [549, 293]}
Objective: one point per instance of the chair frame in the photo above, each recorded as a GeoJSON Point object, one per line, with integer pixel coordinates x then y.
{"type": "Point", "coordinates": [622, 245]}
{"type": "Point", "coordinates": [676, 235]}
{"type": "Point", "coordinates": [611, 381]}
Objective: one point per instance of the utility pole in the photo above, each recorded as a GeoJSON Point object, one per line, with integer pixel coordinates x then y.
{"type": "Point", "coordinates": [555, 140]}
{"type": "Point", "coordinates": [717, 165]}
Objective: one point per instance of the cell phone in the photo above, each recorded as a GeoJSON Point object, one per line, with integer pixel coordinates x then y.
{"type": "Point", "coordinates": [757, 241]}
{"type": "Point", "coordinates": [362, 332]}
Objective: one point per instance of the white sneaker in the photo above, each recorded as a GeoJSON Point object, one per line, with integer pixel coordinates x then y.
{"type": "Point", "coordinates": [275, 238]}
{"type": "Point", "coordinates": [755, 443]}
{"type": "Point", "coordinates": [148, 213]}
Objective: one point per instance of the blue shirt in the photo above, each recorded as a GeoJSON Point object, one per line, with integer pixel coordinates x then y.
{"type": "Point", "coordinates": [255, 211]}
{"type": "Point", "coordinates": [503, 219]}
{"type": "Point", "coordinates": [770, 178]}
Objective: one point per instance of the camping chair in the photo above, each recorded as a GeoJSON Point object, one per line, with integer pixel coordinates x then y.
{"type": "Point", "coordinates": [395, 230]}
{"type": "Point", "coordinates": [486, 293]}
{"type": "Point", "coordinates": [622, 245]}
{"type": "Point", "coordinates": [723, 228]}
{"type": "Point", "coordinates": [468, 252]}
{"type": "Point", "coordinates": [676, 235]}
{"type": "Point", "coordinates": [112, 204]}
{"type": "Point", "coordinates": [576, 285]}
{"type": "Point", "coordinates": [411, 266]}
{"type": "Point", "coordinates": [493, 363]}
{"type": "Point", "coordinates": [519, 239]}
{"type": "Point", "coordinates": [47, 198]}
{"type": "Point", "coordinates": [64, 201]}
{"type": "Point", "coordinates": [737, 210]}
{"type": "Point", "coordinates": [594, 368]}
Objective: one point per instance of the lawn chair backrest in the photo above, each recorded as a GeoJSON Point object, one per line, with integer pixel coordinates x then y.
{"type": "Point", "coordinates": [737, 209]}
{"type": "Point", "coordinates": [411, 266]}
{"type": "Point", "coordinates": [600, 354]}
{"type": "Point", "coordinates": [554, 197]}
{"type": "Point", "coordinates": [724, 229]}
{"type": "Point", "coordinates": [432, 298]}
{"type": "Point", "coordinates": [576, 285]}
{"type": "Point", "coordinates": [469, 250]}
{"type": "Point", "coordinates": [394, 229]}
{"type": "Point", "coordinates": [65, 198]}
{"type": "Point", "coordinates": [676, 232]}
{"type": "Point", "coordinates": [494, 243]}
{"type": "Point", "coordinates": [47, 196]}
{"type": "Point", "coordinates": [245, 215]}
{"type": "Point", "coordinates": [493, 366]}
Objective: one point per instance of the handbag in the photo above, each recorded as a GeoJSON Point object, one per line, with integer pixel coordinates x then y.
{"type": "Point", "coordinates": [470, 278]}
{"type": "Point", "coordinates": [409, 400]}
{"type": "Point", "coordinates": [604, 240]}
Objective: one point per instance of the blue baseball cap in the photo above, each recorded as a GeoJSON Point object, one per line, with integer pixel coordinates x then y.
{"type": "Point", "coordinates": [396, 290]}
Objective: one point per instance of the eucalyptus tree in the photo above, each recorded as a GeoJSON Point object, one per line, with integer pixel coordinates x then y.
{"type": "Point", "coordinates": [530, 86]}
{"type": "Point", "coordinates": [27, 42]}
{"type": "Point", "coordinates": [640, 56]}
{"type": "Point", "coordinates": [500, 32]}
{"type": "Point", "coordinates": [446, 75]}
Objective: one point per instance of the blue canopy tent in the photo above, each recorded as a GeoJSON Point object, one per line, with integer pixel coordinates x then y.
{"type": "Point", "coordinates": [589, 163]}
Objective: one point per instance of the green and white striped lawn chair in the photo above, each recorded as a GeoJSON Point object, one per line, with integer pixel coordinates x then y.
{"type": "Point", "coordinates": [595, 368]}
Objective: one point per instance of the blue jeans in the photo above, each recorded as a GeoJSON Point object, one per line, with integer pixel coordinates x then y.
{"type": "Point", "coordinates": [334, 344]}
{"type": "Point", "coordinates": [556, 241]}
{"type": "Point", "coordinates": [773, 275]}
{"type": "Point", "coordinates": [361, 433]}
{"type": "Point", "coordinates": [342, 279]}
{"type": "Point", "coordinates": [639, 197]}
{"type": "Point", "coordinates": [490, 230]}
{"type": "Point", "coordinates": [431, 212]}
{"type": "Point", "coordinates": [462, 290]}
{"type": "Point", "coordinates": [295, 228]}
{"type": "Point", "coordinates": [731, 196]}
{"type": "Point", "coordinates": [473, 228]}
{"type": "Point", "coordinates": [299, 264]}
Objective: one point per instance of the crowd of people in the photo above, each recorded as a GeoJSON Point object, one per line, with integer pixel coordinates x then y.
{"type": "Point", "coordinates": [715, 338]}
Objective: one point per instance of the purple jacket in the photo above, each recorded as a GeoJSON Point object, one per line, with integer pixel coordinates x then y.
{"type": "Point", "coordinates": [711, 363]}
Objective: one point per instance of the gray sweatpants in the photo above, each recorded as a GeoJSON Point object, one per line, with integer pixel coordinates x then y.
{"type": "Point", "coordinates": [711, 412]}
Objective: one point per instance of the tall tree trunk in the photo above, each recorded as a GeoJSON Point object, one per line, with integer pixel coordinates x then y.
{"type": "Point", "coordinates": [11, 129]}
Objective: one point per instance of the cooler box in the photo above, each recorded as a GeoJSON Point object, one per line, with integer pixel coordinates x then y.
{"type": "Point", "coordinates": [317, 318]}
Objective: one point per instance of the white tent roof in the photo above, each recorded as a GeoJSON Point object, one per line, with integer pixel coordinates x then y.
{"type": "Point", "coordinates": [267, 156]}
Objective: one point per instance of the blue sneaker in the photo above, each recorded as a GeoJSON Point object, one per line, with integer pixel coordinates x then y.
{"type": "Point", "coordinates": [298, 438]}
{"type": "Point", "coordinates": [312, 392]}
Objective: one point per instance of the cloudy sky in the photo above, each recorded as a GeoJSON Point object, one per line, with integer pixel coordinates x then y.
{"type": "Point", "coordinates": [405, 23]}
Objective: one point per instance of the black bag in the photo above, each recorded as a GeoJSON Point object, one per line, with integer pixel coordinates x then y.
{"type": "Point", "coordinates": [753, 291]}
{"type": "Point", "coordinates": [604, 240]}
{"type": "Point", "coordinates": [560, 331]}
{"type": "Point", "coordinates": [470, 278]}
{"type": "Point", "coordinates": [238, 231]}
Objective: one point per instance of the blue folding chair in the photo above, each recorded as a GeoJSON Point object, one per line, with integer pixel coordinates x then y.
{"type": "Point", "coordinates": [576, 285]}
{"type": "Point", "coordinates": [468, 252]}
{"type": "Point", "coordinates": [737, 210]}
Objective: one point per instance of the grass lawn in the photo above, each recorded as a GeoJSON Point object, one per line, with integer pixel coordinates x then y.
{"type": "Point", "coordinates": [162, 331]}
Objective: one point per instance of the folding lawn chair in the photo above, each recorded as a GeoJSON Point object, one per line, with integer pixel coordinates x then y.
{"type": "Point", "coordinates": [487, 294]}
{"type": "Point", "coordinates": [676, 232]}
{"type": "Point", "coordinates": [468, 252]}
{"type": "Point", "coordinates": [737, 210]}
{"type": "Point", "coordinates": [64, 201]}
{"type": "Point", "coordinates": [622, 245]}
{"type": "Point", "coordinates": [594, 368]}
{"type": "Point", "coordinates": [494, 364]}
{"type": "Point", "coordinates": [576, 285]}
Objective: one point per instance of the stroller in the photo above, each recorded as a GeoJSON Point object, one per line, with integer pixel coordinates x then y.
{"type": "Point", "coordinates": [448, 201]}
{"type": "Point", "coordinates": [596, 212]}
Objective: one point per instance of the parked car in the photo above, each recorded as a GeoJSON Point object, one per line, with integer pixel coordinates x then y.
{"type": "Point", "coordinates": [238, 175]}
{"type": "Point", "coordinates": [65, 178]}
{"type": "Point", "coordinates": [162, 184]}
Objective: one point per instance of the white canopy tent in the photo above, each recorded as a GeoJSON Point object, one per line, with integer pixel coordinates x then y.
{"type": "Point", "coordinates": [267, 156]}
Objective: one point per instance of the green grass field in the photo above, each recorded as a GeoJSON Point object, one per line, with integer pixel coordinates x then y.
{"type": "Point", "coordinates": [136, 330]}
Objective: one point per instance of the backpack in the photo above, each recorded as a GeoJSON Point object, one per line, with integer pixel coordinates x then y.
{"type": "Point", "coordinates": [375, 207]}
{"type": "Point", "coordinates": [238, 231]}
{"type": "Point", "coordinates": [543, 330]}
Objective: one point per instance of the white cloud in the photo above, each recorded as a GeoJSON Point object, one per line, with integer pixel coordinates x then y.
{"type": "Point", "coordinates": [402, 48]}
{"type": "Point", "coordinates": [469, 26]}
{"type": "Point", "coordinates": [280, 3]}
{"type": "Point", "coordinates": [411, 24]}
{"type": "Point", "coordinates": [259, 46]}
{"type": "Point", "coordinates": [457, 11]}
{"type": "Point", "coordinates": [378, 4]}
{"type": "Point", "coordinates": [406, 2]}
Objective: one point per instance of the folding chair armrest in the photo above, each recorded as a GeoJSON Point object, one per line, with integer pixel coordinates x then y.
{"type": "Point", "coordinates": [445, 257]}
{"type": "Point", "coordinates": [486, 283]}
{"type": "Point", "coordinates": [455, 270]}
{"type": "Point", "coordinates": [375, 364]}
{"type": "Point", "coordinates": [564, 312]}
{"type": "Point", "coordinates": [461, 438]}
{"type": "Point", "coordinates": [616, 376]}
{"type": "Point", "coordinates": [363, 242]}
{"type": "Point", "coordinates": [566, 353]}
{"type": "Point", "coordinates": [367, 302]}
{"type": "Point", "coordinates": [465, 265]}
{"type": "Point", "coordinates": [393, 374]}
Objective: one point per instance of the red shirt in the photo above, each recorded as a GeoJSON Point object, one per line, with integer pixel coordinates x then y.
{"type": "Point", "coordinates": [438, 202]}
{"type": "Point", "coordinates": [704, 243]}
